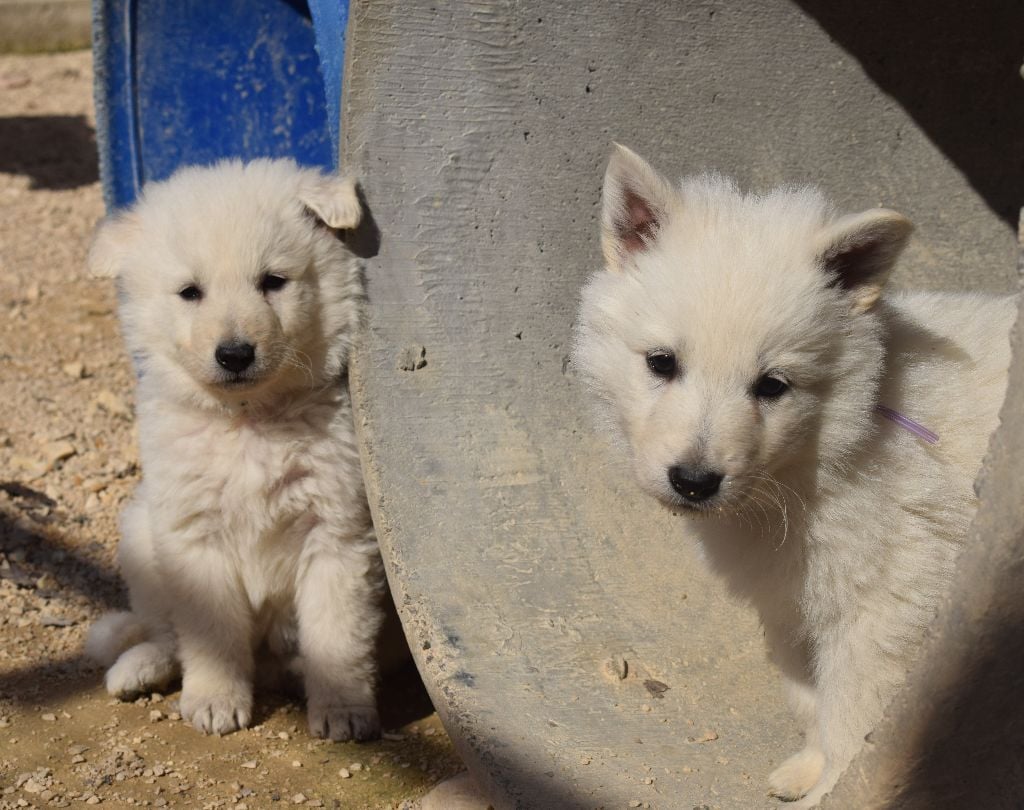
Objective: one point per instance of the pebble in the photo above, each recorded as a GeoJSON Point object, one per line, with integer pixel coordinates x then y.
{"type": "Point", "coordinates": [48, 717]}
{"type": "Point", "coordinates": [28, 467]}
{"type": "Point", "coordinates": [298, 798]}
{"type": "Point", "coordinates": [32, 786]}
{"type": "Point", "coordinates": [251, 764]}
{"type": "Point", "coordinates": [113, 404]}
{"type": "Point", "coordinates": [392, 736]}
{"type": "Point", "coordinates": [54, 452]}
{"type": "Point", "coordinates": [155, 716]}
{"type": "Point", "coordinates": [617, 667]}
{"type": "Point", "coordinates": [296, 763]}
{"type": "Point", "coordinates": [344, 773]}
{"type": "Point", "coordinates": [356, 766]}
{"type": "Point", "coordinates": [75, 369]}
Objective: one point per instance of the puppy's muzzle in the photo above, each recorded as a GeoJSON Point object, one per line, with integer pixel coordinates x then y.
{"type": "Point", "coordinates": [235, 356]}
{"type": "Point", "coordinates": [694, 485]}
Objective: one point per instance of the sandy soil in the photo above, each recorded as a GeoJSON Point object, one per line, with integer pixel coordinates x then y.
{"type": "Point", "coordinates": [67, 464]}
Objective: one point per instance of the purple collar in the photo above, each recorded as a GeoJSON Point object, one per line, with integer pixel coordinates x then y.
{"type": "Point", "coordinates": [908, 424]}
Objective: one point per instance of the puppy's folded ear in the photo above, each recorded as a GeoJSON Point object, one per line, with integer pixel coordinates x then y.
{"type": "Point", "coordinates": [109, 245]}
{"type": "Point", "coordinates": [860, 250]}
{"type": "Point", "coordinates": [636, 201]}
{"type": "Point", "coordinates": [333, 200]}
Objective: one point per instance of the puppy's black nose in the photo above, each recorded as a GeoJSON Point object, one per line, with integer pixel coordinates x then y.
{"type": "Point", "coordinates": [236, 356]}
{"type": "Point", "coordinates": [694, 485]}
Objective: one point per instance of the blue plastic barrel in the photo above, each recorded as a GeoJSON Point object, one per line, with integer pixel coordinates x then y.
{"type": "Point", "coordinates": [192, 81]}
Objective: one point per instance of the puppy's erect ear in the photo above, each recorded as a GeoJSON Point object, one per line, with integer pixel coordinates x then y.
{"type": "Point", "coordinates": [860, 250]}
{"type": "Point", "coordinates": [636, 201]}
{"type": "Point", "coordinates": [332, 200]}
{"type": "Point", "coordinates": [110, 245]}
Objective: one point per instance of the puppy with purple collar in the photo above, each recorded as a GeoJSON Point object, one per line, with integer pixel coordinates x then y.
{"type": "Point", "coordinates": [820, 435]}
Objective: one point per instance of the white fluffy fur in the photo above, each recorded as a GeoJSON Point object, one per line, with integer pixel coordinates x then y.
{"type": "Point", "coordinates": [838, 526]}
{"type": "Point", "coordinates": [250, 527]}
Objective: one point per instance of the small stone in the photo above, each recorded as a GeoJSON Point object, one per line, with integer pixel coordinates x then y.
{"type": "Point", "coordinates": [344, 773]}
{"type": "Point", "coordinates": [55, 452]}
{"type": "Point", "coordinates": [49, 620]}
{"type": "Point", "coordinates": [75, 369]}
{"type": "Point", "coordinates": [584, 760]}
{"type": "Point", "coordinates": [635, 803]}
{"type": "Point", "coordinates": [93, 800]}
{"type": "Point", "coordinates": [155, 716]}
{"type": "Point", "coordinates": [29, 467]}
{"type": "Point", "coordinates": [251, 764]}
{"type": "Point", "coordinates": [113, 404]}
{"type": "Point", "coordinates": [617, 667]}
{"type": "Point", "coordinates": [298, 798]}
{"type": "Point", "coordinates": [32, 786]}
{"type": "Point", "coordinates": [77, 759]}
{"type": "Point", "coordinates": [392, 736]}
{"type": "Point", "coordinates": [282, 735]}
{"type": "Point", "coordinates": [355, 766]}
{"type": "Point", "coordinates": [296, 763]}
{"type": "Point", "coordinates": [48, 717]}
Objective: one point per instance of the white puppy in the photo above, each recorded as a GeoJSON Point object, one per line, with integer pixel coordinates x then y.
{"type": "Point", "coordinates": [746, 363]}
{"type": "Point", "coordinates": [239, 303]}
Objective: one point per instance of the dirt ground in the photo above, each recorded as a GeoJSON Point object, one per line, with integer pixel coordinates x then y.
{"type": "Point", "coordinates": [67, 463]}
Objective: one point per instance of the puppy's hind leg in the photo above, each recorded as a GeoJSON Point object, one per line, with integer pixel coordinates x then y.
{"type": "Point", "coordinates": [338, 603]}
{"type": "Point", "coordinates": [138, 646]}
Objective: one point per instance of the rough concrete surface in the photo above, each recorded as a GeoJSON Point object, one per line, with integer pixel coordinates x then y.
{"type": "Point", "coordinates": [67, 463]}
{"type": "Point", "coordinates": [573, 644]}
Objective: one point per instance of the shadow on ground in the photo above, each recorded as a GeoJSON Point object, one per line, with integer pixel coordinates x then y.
{"type": "Point", "coordinates": [57, 151]}
{"type": "Point", "coordinates": [956, 69]}
{"type": "Point", "coordinates": [38, 559]}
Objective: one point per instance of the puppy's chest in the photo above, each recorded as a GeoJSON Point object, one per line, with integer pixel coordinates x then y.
{"type": "Point", "coordinates": [248, 483]}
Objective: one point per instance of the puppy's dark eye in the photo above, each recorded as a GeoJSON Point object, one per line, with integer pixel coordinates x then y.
{"type": "Point", "coordinates": [662, 363]}
{"type": "Point", "coordinates": [190, 293]}
{"type": "Point", "coordinates": [271, 282]}
{"type": "Point", "coordinates": [769, 387]}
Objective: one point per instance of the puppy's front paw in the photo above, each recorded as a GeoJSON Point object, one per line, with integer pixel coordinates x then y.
{"type": "Point", "coordinates": [797, 775]}
{"type": "Point", "coordinates": [219, 713]}
{"type": "Point", "coordinates": [141, 668]}
{"type": "Point", "coordinates": [339, 722]}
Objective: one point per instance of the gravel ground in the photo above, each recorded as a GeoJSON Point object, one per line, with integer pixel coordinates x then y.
{"type": "Point", "coordinates": [67, 463]}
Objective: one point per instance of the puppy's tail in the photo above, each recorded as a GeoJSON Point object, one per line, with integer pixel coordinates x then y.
{"type": "Point", "coordinates": [112, 634]}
